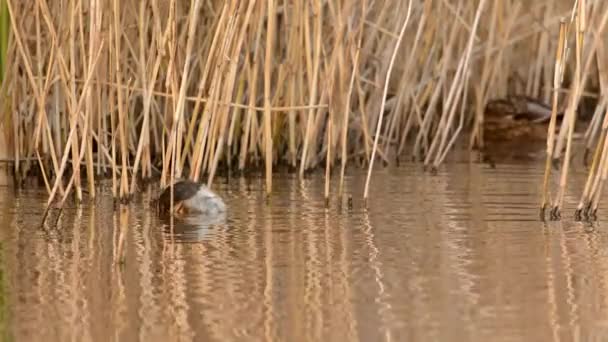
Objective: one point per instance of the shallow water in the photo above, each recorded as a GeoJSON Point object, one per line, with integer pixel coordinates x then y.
{"type": "Point", "coordinates": [459, 256]}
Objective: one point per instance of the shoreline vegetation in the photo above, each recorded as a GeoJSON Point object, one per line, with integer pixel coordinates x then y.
{"type": "Point", "coordinates": [173, 88]}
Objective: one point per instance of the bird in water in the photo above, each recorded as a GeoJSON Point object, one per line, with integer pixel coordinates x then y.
{"type": "Point", "coordinates": [190, 198]}
{"type": "Point", "coordinates": [517, 117]}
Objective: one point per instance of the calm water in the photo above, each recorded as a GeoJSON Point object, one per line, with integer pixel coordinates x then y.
{"type": "Point", "coordinates": [459, 256]}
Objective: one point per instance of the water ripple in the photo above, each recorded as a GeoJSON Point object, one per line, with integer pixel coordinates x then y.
{"type": "Point", "coordinates": [460, 255]}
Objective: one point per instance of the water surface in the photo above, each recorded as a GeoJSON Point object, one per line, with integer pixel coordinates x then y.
{"type": "Point", "coordinates": [459, 256]}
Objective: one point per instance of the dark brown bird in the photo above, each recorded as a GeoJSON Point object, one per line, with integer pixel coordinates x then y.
{"type": "Point", "coordinates": [517, 117]}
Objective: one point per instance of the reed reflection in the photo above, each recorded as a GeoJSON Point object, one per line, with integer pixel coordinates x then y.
{"type": "Point", "coordinates": [454, 255]}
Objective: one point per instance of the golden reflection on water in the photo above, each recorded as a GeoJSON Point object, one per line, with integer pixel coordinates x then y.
{"type": "Point", "coordinates": [457, 256]}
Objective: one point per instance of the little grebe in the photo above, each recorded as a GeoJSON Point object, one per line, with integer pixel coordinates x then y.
{"type": "Point", "coordinates": [190, 197]}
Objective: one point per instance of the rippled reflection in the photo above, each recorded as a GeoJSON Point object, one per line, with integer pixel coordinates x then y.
{"type": "Point", "coordinates": [194, 227]}
{"type": "Point", "coordinates": [456, 256]}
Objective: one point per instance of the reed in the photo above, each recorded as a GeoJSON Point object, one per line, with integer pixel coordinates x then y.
{"type": "Point", "coordinates": [4, 107]}
{"type": "Point", "coordinates": [557, 78]}
{"type": "Point", "coordinates": [4, 30]}
{"type": "Point", "coordinates": [172, 88]}
{"type": "Point", "coordinates": [589, 60]}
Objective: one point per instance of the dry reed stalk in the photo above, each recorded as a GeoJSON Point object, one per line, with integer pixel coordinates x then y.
{"type": "Point", "coordinates": [228, 91]}
{"type": "Point", "coordinates": [181, 99]}
{"type": "Point", "coordinates": [143, 146]}
{"type": "Point", "coordinates": [30, 76]}
{"type": "Point", "coordinates": [557, 77]}
{"type": "Point", "coordinates": [328, 165]}
{"type": "Point", "coordinates": [460, 126]}
{"type": "Point", "coordinates": [95, 41]}
{"type": "Point", "coordinates": [174, 115]}
{"type": "Point", "coordinates": [293, 55]}
{"type": "Point", "coordinates": [336, 78]}
{"type": "Point", "coordinates": [246, 137]}
{"type": "Point", "coordinates": [457, 89]}
{"type": "Point", "coordinates": [113, 92]}
{"type": "Point", "coordinates": [216, 54]}
{"type": "Point", "coordinates": [590, 185]}
{"type": "Point", "coordinates": [270, 33]}
{"type": "Point", "coordinates": [595, 126]}
{"type": "Point", "coordinates": [41, 124]}
{"type": "Point", "coordinates": [387, 78]}
{"type": "Point", "coordinates": [171, 115]}
{"type": "Point", "coordinates": [596, 189]}
{"type": "Point", "coordinates": [224, 88]}
{"type": "Point", "coordinates": [481, 90]}
{"type": "Point", "coordinates": [85, 137]}
{"type": "Point", "coordinates": [318, 15]}
{"type": "Point", "coordinates": [424, 133]}
{"type": "Point", "coordinates": [404, 93]}
{"type": "Point", "coordinates": [218, 125]}
{"type": "Point", "coordinates": [72, 84]}
{"type": "Point", "coordinates": [346, 114]}
{"type": "Point", "coordinates": [593, 187]}
{"type": "Point", "coordinates": [118, 74]}
{"type": "Point", "coordinates": [201, 88]}
{"type": "Point", "coordinates": [580, 25]}
{"type": "Point", "coordinates": [71, 136]}
{"type": "Point", "coordinates": [591, 198]}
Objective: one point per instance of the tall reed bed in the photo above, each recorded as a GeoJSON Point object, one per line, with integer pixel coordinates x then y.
{"type": "Point", "coordinates": [180, 88]}
{"type": "Point", "coordinates": [581, 43]}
